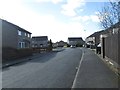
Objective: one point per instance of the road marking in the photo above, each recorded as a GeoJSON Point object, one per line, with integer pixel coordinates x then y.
{"type": "Point", "coordinates": [73, 86]}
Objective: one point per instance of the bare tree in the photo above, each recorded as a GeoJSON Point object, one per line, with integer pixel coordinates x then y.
{"type": "Point", "coordinates": [110, 14]}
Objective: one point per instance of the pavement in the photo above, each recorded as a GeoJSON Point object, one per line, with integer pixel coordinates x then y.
{"type": "Point", "coordinates": [94, 73]}
{"type": "Point", "coordinates": [114, 66]}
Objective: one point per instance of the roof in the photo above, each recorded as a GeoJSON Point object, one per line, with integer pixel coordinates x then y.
{"type": "Point", "coordinates": [117, 25]}
{"type": "Point", "coordinates": [104, 31]}
{"type": "Point", "coordinates": [16, 26]}
{"type": "Point", "coordinates": [75, 38]}
{"type": "Point", "coordinates": [40, 38]}
{"type": "Point", "coordinates": [96, 34]}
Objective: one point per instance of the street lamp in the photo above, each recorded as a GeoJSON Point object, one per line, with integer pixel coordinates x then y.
{"type": "Point", "coordinates": [84, 38]}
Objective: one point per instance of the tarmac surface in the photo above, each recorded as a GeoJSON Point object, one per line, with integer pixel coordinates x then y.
{"type": "Point", "coordinates": [65, 68]}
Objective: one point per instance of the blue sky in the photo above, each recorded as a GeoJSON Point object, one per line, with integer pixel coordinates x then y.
{"type": "Point", "coordinates": [57, 19]}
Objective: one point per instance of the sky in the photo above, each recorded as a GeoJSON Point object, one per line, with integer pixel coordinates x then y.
{"type": "Point", "coordinates": [57, 19]}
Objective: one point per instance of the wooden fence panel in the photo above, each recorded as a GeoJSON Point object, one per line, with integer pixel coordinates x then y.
{"type": "Point", "coordinates": [112, 43]}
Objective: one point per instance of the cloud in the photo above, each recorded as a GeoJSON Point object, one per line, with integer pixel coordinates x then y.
{"type": "Point", "coordinates": [79, 18]}
{"type": "Point", "coordinates": [100, 0]}
{"type": "Point", "coordinates": [53, 1]}
{"type": "Point", "coordinates": [70, 7]}
{"type": "Point", "coordinates": [39, 25]}
{"type": "Point", "coordinates": [93, 18]}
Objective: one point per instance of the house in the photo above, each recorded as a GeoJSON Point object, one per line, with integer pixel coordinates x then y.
{"type": "Point", "coordinates": [55, 45]}
{"type": "Point", "coordinates": [75, 41]}
{"type": "Point", "coordinates": [90, 40]}
{"type": "Point", "coordinates": [94, 39]}
{"type": "Point", "coordinates": [40, 41]}
{"type": "Point", "coordinates": [14, 36]}
{"type": "Point", "coordinates": [16, 41]}
{"type": "Point", "coordinates": [60, 44]}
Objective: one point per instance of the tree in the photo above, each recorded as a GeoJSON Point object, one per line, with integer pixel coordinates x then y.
{"type": "Point", "coordinates": [110, 14]}
{"type": "Point", "coordinates": [50, 45]}
{"type": "Point", "coordinates": [50, 42]}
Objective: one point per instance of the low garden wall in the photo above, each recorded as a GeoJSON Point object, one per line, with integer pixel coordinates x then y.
{"type": "Point", "coordinates": [12, 53]}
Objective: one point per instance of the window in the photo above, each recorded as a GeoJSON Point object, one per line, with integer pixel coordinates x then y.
{"type": "Point", "coordinates": [115, 30]}
{"type": "Point", "coordinates": [19, 32]}
{"type": "Point", "coordinates": [25, 34]}
{"type": "Point", "coordinates": [21, 44]}
{"type": "Point", "coordinates": [29, 35]}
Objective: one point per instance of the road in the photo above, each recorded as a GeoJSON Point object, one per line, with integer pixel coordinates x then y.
{"type": "Point", "coordinates": [51, 70]}
{"type": "Point", "coordinates": [60, 70]}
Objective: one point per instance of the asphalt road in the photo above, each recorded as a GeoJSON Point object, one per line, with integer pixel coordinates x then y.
{"type": "Point", "coordinates": [51, 70]}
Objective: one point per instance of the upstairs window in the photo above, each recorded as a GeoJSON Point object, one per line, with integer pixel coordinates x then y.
{"type": "Point", "coordinates": [19, 32]}
{"type": "Point", "coordinates": [26, 34]}
{"type": "Point", "coordinates": [29, 35]}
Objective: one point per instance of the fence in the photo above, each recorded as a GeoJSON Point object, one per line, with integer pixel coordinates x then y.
{"type": "Point", "coordinates": [112, 46]}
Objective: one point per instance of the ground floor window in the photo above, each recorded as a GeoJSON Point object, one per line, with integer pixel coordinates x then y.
{"type": "Point", "coordinates": [21, 44]}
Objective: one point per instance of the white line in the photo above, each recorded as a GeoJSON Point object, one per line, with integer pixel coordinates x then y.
{"type": "Point", "coordinates": [73, 86]}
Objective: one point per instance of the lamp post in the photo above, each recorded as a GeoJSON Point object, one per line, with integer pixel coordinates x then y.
{"type": "Point", "coordinates": [84, 38]}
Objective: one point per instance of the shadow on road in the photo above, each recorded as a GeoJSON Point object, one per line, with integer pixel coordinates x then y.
{"type": "Point", "coordinates": [44, 57]}
{"type": "Point", "coordinates": [37, 58]}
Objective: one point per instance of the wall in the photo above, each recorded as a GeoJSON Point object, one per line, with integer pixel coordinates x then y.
{"type": "Point", "coordinates": [25, 39]}
{"type": "Point", "coordinates": [9, 35]}
{"type": "Point", "coordinates": [11, 54]}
